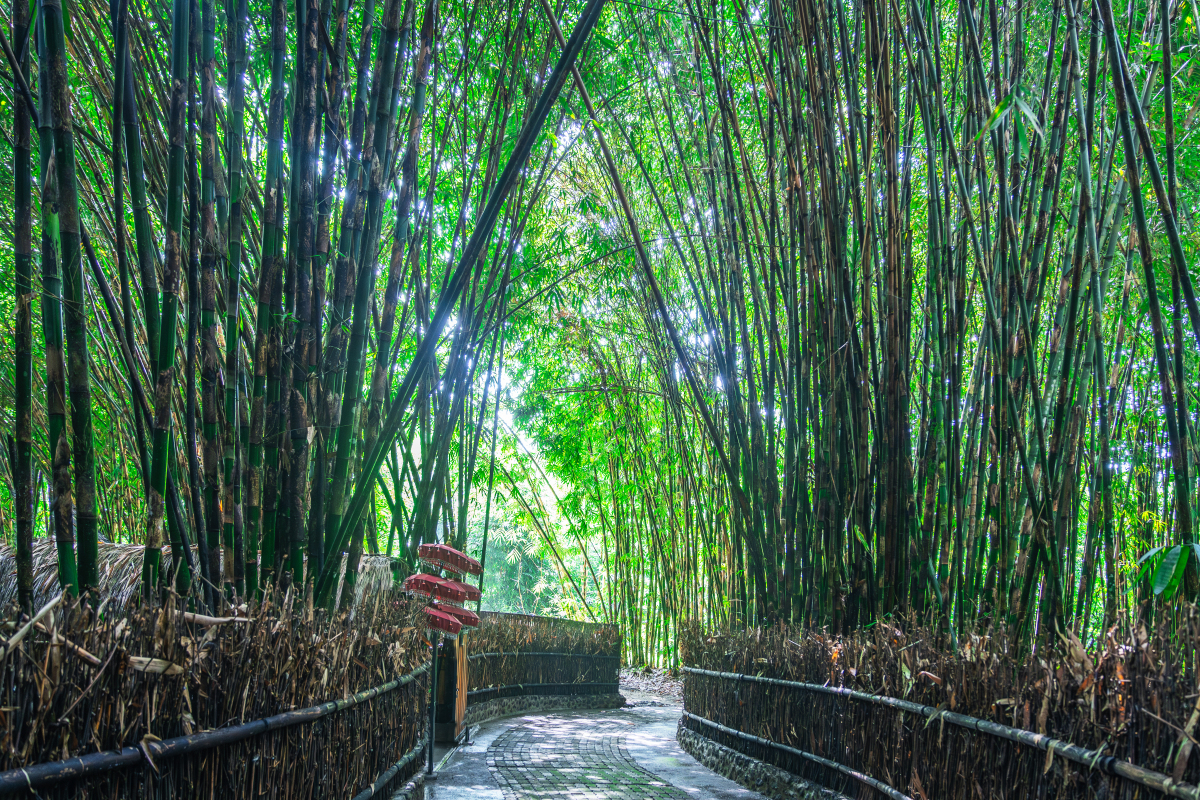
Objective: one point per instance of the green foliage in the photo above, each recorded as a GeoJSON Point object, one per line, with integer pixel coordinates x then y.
{"type": "Point", "coordinates": [827, 437]}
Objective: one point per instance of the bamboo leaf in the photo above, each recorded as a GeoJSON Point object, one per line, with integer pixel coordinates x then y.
{"type": "Point", "coordinates": [862, 539]}
{"type": "Point", "coordinates": [998, 114]}
{"type": "Point", "coordinates": [1150, 554]}
{"type": "Point", "coordinates": [1030, 115]}
{"type": "Point", "coordinates": [1165, 574]}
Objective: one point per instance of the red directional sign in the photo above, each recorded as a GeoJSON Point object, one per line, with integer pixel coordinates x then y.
{"type": "Point", "coordinates": [444, 557]}
{"type": "Point", "coordinates": [471, 592]}
{"type": "Point", "coordinates": [439, 621]}
{"type": "Point", "coordinates": [437, 588]}
{"type": "Point", "coordinates": [467, 618]}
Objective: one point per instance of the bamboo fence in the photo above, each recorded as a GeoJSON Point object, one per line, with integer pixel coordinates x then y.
{"type": "Point", "coordinates": [515, 654]}
{"type": "Point", "coordinates": [981, 722]}
{"type": "Point", "coordinates": [157, 702]}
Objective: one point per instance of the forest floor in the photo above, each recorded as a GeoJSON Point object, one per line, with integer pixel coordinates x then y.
{"type": "Point", "coordinates": [653, 681]}
{"type": "Point", "coordinates": [625, 753]}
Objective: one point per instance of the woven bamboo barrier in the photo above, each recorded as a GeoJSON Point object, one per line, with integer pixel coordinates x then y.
{"type": "Point", "coordinates": [157, 702]}
{"type": "Point", "coordinates": [513, 654]}
{"type": "Point", "coordinates": [982, 722]}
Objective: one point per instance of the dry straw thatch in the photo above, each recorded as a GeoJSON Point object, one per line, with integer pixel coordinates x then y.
{"type": "Point", "coordinates": [54, 704]}
{"type": "Point", "coordinates": [1135, 697]}
{"type": "Point", "coordinates": [120, 572]}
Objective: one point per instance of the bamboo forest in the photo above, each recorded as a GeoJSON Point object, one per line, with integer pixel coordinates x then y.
{"type": "Point", "coordinates": [715, 313]}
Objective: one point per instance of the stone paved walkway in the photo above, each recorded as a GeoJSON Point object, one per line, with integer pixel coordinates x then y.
{"type": "Point", "coordinates": [552, 757]}
{"type": "Point", "coordinates": [619, 754]}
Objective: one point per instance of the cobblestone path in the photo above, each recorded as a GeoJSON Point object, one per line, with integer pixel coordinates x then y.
{"type": "Point", "coordinates": [583, 759]}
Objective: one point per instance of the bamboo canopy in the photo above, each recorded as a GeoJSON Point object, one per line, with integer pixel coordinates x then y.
{"type": "Point", "coordinates": [738, 313]}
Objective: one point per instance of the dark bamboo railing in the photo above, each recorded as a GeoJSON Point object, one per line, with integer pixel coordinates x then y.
{"type": "Point", "coordinates": [866, 780]}
{"type": "Point", "coordinates": [152, 753]}
{"type": "Point", "coordinates": [717, 708]}
{"type": "Point", "coordinates": [389, 775]}
{"type": "Point", "coordinates": [154, 702]}
{"type": "Point", "coordinates": [519, 654]}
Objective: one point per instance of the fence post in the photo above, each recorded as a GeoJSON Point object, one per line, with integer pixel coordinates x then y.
{"type": "Point", "coordinates": [460, 695]}
{"type": "Point", "coordinates": [433, 701]}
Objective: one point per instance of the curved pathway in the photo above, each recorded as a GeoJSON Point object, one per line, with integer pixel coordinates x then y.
{"type": "Point", "coordinates": [555, 756]}
{"type": "Point", "coordinates": [621, 754]}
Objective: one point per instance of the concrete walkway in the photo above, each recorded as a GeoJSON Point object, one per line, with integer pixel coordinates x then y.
{"type": "Point", "coordinates": [621, 754]}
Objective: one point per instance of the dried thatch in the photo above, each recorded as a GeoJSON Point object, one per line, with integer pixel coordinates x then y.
{"type": "Point", "coordinates": [121, 573]}
{"type": "Point", "coordinates": [374, 576]}
{"type": "Point", "coordinates": [84, 683]}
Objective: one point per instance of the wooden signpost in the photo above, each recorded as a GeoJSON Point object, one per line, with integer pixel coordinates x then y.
{"type": "Point", "coordinates": [444, 616]}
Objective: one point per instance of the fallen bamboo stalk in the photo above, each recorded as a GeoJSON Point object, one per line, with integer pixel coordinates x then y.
{"type": "Point", "coordinates": [41, 775]}
{"type": "Point", "coordinates": [154, 666]}
{"type": "Point", "coordinates": [1092, 759]}
{"type": "Point", "coordinates": [69, 645]}
{"type": "Point", "coordinates": [207, 621]}
{"type": "Point", "coordinates": [12, 643]}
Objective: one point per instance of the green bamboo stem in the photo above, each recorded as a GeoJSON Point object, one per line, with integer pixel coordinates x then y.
{"type": "Point", "coordinates": [302, 333]}
{"type": "Point", "coordinates": [235, 143]}
{"type": "Point", "coordinates": [62, 501]}
{"type": "Point", "coordinates": [164, 383]}
{"type": "Point", "coordinates": [262, 527]}
{"type": "Point", "coordinates": [75, 327]}
{"type": "Point", "coordinates": [23, 335]}
{"type": "Point", "coordinates": [121, 239]}
{"type": "Point", "coordinates": [217, 520]}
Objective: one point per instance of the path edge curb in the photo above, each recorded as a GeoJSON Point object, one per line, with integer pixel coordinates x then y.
{"type": "Point", "coordinates": [524, 704]}
{"type": "Point", "coordinates": [413, 790]}
{"type": "Point", "coordinates": [750, 773]}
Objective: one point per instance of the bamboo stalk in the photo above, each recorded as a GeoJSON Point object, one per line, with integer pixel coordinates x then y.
{"type": "Point", "coordinates": [75, 327]}
{"type": "Point", "coordinates": [220, 547]}
{"type": "Point", "coordinates": [62, 502]}
{"type": "Point", "coordinates": [456, 283]}
{"type": "Point", "coordinates": [22, 466]}
{"type": "Point", "coordinates": [237, 25]}
{"type": "Point", "coordinates": [165, 363]}
{"type": "Point", "coordinates": [269, 290]}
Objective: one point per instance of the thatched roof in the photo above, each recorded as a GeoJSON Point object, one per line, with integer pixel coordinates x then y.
{"type": "Point", "coordinates": [121, 573]}
{"type": "Point", "coordinates": [374, 576]}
